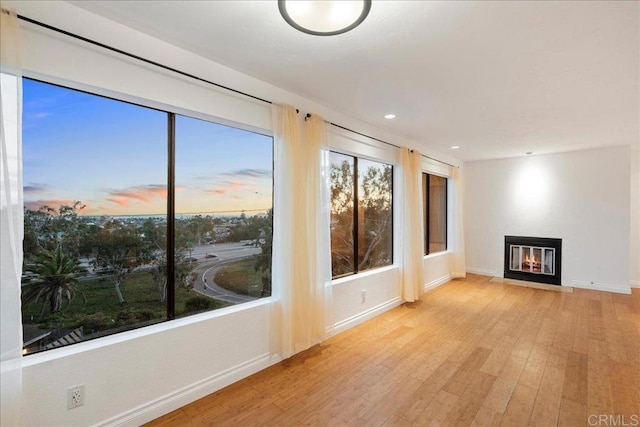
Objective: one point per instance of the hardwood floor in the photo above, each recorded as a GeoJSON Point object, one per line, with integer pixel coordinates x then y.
{"type": "Point", "coordinates": [469, 353]}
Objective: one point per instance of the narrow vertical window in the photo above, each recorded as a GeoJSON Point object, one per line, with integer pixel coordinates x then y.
{"type": "Point", "coordinates": [435, 195]}
{"type": "Point", "coordinates": [375, 235]}
{"type": "Point", "coordinates": [342, 214]}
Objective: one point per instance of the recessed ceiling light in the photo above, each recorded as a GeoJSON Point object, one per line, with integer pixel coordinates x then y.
{"type": "Point", "coordinates": [455, 147]}
{"type": "Point", "coordinates": [389, 116]}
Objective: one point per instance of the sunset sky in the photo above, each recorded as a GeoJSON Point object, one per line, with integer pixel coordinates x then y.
{"type": "Point", "coordinates": [112, 156]}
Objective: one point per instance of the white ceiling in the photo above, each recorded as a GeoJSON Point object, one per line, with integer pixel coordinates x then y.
{"type": "Point", "coordinates": [496, 78]}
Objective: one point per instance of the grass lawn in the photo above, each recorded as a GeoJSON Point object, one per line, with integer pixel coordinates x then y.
{"type": "Point", "coordinates": [103, 314]}
{"type": "Point", "coordinates": [240, 277]}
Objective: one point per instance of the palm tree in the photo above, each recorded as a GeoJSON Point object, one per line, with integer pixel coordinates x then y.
{"type": "Point", "coordinates": [57, 278]}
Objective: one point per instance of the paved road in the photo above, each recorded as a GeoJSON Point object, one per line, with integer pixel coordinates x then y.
{"type": "Point", "coordinates": [208, 267]}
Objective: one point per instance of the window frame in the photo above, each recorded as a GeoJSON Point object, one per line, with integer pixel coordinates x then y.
{"type": "Point", "coordinates": [356, 209]}
{"type": "Point", "coordinates": [427, 208]}
{"type": "Point", "coordinates": [170, 214]}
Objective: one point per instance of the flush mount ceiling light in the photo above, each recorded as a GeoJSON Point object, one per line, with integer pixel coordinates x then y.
{"type": "Point", "coordinates": [389, 116]}
{"type": "Point", "coordinates": [455, 147]}
{"type": "Point", "coordinates": [324, 17]}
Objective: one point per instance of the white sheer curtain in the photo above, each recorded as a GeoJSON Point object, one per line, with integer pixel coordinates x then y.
{"type": "Point", "coordinates": [318, 215]}
{"type": "Point", "coordinates": [11, 219]}
{"type": "Point", "coordinates": [298, 286]}
{"type": "Point", "coordinates": [286, 138]}
{"type": "Point", "coordinates": [412, 226]}
{"type": "Point", "coordinates": [324, 257]}
{"type": "Point", "coordinates": [458, 260]}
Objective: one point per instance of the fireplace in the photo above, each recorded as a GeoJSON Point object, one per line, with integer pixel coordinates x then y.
{"type": "Point", "coordinates": [534, 259]}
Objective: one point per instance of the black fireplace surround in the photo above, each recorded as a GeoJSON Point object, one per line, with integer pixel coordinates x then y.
{"type": "Point", "coordinates": [534, 259]}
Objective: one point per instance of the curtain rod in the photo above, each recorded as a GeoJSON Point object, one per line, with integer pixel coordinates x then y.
{"type": "Point", "coordinates": [183, 73]}
{"type": "Point", "coordinates": [139, 58]}
{"type": "Point", "coordinates": [388, 143]}
{"type": "Point", "coordinates": [439, 161]}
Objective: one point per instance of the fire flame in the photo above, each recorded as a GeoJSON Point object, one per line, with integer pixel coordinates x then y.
{"type": "Point", "coordinates": [535, 261]}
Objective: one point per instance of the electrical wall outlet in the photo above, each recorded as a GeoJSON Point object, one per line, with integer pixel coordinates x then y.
{"type": "Point", "coordinates": [75, 396]}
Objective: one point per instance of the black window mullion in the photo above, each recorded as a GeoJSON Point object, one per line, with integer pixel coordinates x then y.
{"type": "Point", "coordinates": [356, 259]}
{"type": "Point", "coordinates": [171, 216]}
{"type": "Point", "coordinates": [446, 214]}
{"type": "Point", "coordinates": [428, 215]}
{"type": "Point", "coordinates": [392, 217]}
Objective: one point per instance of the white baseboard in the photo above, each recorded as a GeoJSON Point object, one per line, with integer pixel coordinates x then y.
{"type": "Point", "coordinates": [352, 321]}
{"type": "Point", "coordinates": [177, 399]}
{"type": "Point", "coordinates": [601, 287]}
{"type": "Point", "coordinates": [533, 285]}
{"type": "Point", "coordinates": [435, 283]}
{"type": "Point", "coordinates": [635, 283]}
{"type": "Point", "coordinates": [483, 272]}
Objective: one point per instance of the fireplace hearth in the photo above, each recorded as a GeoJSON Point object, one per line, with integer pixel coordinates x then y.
{"type": "Point", "coordinates": [534, 259]}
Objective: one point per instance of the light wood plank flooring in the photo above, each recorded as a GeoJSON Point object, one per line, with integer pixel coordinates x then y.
{"type": "Point", "coordinates": [469, 353]}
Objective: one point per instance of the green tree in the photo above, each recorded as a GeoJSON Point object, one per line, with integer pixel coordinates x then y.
{"type": "Point", "coordinates": [374, 181]}
{"type": "Point", "coordinates": [185, 275]}
{"type": "Point", "coordinates": [248, 228]}
{"type": "Point", "coordinates": [263, 262]}
{"type": "Point", "coordinates": [199, 228]}
{"type": "Point", "coordinates": [56, 279]}
{"type": "Point", "coordinates": [342, 226]}
{"type": "Point", "coordinates": [155, 235]}
{"type": "Point", "coordinates": [118, 250]}
{"type": "Point", "coordinates": [46, 228]}
{"type": "Point", "coordinates": [375, 213]}
{"type": "Point", "coordinates": [33, 241]}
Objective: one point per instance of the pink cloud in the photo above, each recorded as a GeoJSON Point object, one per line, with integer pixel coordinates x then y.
{"type": "Point", "coordinates": [143, 193]}
{"type": "Point", "coordinates": [121, 201]}
{"type": "Point", "coordinates": [229, 187]}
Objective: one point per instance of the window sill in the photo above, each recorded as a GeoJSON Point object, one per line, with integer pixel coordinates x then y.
{"type": "Point", "coordinates": [436, 255]}
{"type": "Point", "coordinates": [98, 343]}
{"type": "Point", "coordinates": [366, 273]}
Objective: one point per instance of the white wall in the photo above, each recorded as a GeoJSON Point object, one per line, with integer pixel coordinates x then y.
{"type": "Point", "coordinates": [581, 197]}
{"type": "Point", "coordinates": [133, 377]}
{"type": "Point", "coordinates": [359, 298]}
{"type": "Point", "coordinates": [437, 270]}
{"type": "Point", "coordinates": [138, 375]}
{"type": "Point", "coordinates": [635, 217]}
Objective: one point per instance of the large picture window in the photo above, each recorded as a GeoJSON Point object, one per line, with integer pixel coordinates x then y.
{"type": "Point", "coordinates": [135, 216]}
{"type": "Point", "coordinates": [435, 212]}
{"type": "Point", "coordinates": [361, 214]}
